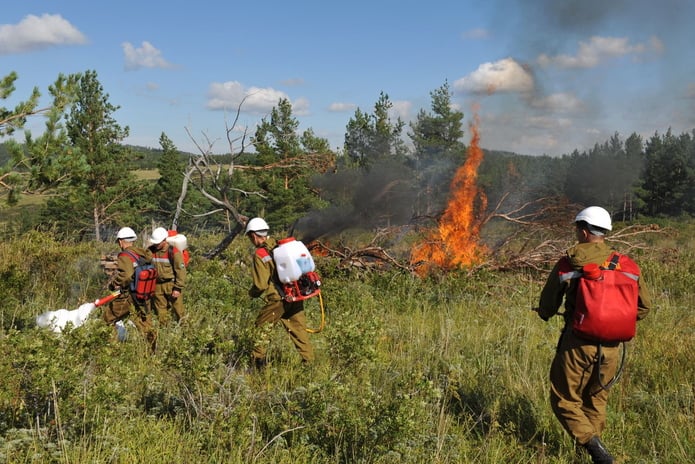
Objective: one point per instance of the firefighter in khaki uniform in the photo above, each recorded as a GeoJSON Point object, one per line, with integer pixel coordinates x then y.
{"type": "Point", "coordinates": [171, 278]}
{"type": "Point", "coordinates": [577, 394]}
{"type": "Point", "coordinates": [265, 285]}
{"type": "Point", "coordinates": [121, 307]}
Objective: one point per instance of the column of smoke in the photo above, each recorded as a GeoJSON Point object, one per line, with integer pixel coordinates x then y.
{"type": "Point", "coordinates": [383, 195]}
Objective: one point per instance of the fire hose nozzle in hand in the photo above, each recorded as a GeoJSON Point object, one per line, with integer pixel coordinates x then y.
{"type": "Point", "coordinates": [107, 298]}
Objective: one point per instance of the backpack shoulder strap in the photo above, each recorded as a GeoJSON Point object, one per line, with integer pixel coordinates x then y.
{"type": "Point", "coordinates": [628, 267]}
{"type": "Point", "coordinates": [613, 260]}
{"type": "Point", "coordinates": [131, 254]}
{"type": "Point", "coordinates": [171, 252]}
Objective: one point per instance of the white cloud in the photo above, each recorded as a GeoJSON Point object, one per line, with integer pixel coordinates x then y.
{"type": "Point", "coordinates": [400, 109]}
{"type": "Point", "coordinates": [655, 45]}
{"type": "Point", "coordinates": [35, 33]}
{"type": "Point", "coordinates": [558, 102]}
{"type": "Point", "coordinates": [300, 107]}
{"type": "Point", "coordinates": [547, 123]}
{"type": "Point", "coordinates": [229, 95]}
{"type": "Point", "coordinates": [147, 56]}
{"type": "Point", "coordinates": [599, 49]}
{"type": "Point", "coordinates": [339, 107]}
{"type": "Point", "coordinates": [505, 75]}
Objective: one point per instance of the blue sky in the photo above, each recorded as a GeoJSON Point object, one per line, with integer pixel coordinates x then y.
{"type": "Point", "coordinates": [547, 76]}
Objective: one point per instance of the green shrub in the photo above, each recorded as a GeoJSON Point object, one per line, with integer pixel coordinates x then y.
{"type": "Point", "coordinates": [451, 368]}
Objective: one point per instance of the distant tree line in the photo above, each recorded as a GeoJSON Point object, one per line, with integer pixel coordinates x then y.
{"type": "Point", "coordinates": [295, 180]}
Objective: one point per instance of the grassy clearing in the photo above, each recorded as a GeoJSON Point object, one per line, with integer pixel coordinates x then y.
{"type": "Point", "coordinates": [147, 174]}
{"type": "Point", "coordinates": [443, 370]}
{"type": "Point", "coordinates": [24, 214]}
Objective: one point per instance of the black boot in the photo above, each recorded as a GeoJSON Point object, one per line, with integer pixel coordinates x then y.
{"type": "Point", "coordinates": [259, 364]}
{"type": "Point", "coordinates": [599, 453]}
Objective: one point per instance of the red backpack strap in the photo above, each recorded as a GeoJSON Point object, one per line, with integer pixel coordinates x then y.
{"type": "Point", "coordinates": [628, 267]}
{"type": "Point", "coordinates": [184, 255]}
{"type": "Point", "coordinates": [131, 254]}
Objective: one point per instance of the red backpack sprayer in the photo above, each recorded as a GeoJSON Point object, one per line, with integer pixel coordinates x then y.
{"type": "Point", "coordinates": [296, 270]}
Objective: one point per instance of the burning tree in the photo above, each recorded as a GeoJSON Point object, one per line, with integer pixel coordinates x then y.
{"type": "Point", "coordinates": [456, 241]}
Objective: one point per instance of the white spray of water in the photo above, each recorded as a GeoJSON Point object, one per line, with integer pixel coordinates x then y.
{"type": "Point", "coordinates": [58, 320]}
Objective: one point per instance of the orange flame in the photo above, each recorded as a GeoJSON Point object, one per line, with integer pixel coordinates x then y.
{"type": "Point", "coordinates": [455, 243]}
{"type": "Point", "coordinates": [318, 248]}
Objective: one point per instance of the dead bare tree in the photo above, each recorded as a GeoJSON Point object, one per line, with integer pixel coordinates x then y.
{"type": "Point", "coordinates": [214, 180]}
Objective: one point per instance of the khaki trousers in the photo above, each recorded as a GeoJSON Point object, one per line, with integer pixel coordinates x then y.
{"type": "Point", "coordinates": [293, 319]}
{"type": "Point", "coordinates": [122, 307]}
{"type": "Point", "coordinates": [164, 306]}
{"type": "Point", "coordinates": [578, 400]}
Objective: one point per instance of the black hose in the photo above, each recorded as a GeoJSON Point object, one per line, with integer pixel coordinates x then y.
{"type": "Point", "coordinates": [618, 372]}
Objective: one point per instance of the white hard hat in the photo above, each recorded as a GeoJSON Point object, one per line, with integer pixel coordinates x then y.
{"type": "Point", "coordinates": [595, 216]}
{"type": "Point", "coordinates": [258, 226]}
{"type": "Point", "coordinates": [126, 233]}
{"type": "Point", "coordinates": [158, 235]}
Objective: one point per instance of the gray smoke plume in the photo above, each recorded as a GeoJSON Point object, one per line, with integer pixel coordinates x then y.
{"type": "Point", "coordinates": [383, 195]}
{"type": "Point", "coordinates": [540, 24]}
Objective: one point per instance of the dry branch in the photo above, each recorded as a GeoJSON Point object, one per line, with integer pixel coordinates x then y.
{"type": "Point", "coordinates": [539, 236]}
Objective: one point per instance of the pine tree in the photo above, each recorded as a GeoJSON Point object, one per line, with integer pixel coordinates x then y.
{"type": "Point", "coordinates": [287, 190]}
{"type": "Point", "coordinates": [439, 150]}
{"type": "Point", "coordinates": [371, 137]}
{"type": "Point", "coordinates": [171, 170]}
{"type": "Point", "coordinates": [107, 194]}
{"type": "Point", "coordinates": [669, 175]}
{"type": "Point", "coordinates": [43, 162]}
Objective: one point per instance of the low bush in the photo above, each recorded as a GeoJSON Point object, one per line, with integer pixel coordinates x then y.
{"type": "Point", "coordinates": [444, 369]}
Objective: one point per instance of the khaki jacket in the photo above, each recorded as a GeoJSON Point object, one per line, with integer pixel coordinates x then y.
{"type": "Point", "coordinates": [170, 266]}
{"type": "Point", "coordinates": [265, 281]}
{"type": "Point", "coordinates": [126, 267]}
{"type": "Point", "coordinates": [554, 290]}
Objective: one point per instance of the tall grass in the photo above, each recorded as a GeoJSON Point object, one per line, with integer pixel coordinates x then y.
{"type": "Point", "coordinates": [449, 369]}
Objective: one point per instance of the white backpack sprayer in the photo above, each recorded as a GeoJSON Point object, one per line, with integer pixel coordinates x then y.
{"type": "Point", "coordinates": [296, 270]}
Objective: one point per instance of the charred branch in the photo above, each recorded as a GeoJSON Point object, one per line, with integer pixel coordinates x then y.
{"type": "Point", "coordinates": [537, 237]}
{"type": "Point", "coordinates": [369, 257]}
{"type": "Point", "coordinates": [225, 242]}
